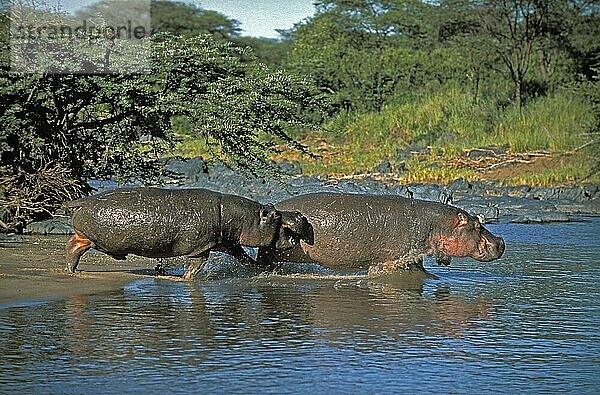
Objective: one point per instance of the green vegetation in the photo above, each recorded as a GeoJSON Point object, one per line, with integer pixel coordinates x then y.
{"type": "Point", "coordinates": [442, 78]}
{"type": "Point", "coordinates": [446, 125]}
{"type": "Point", "coordinates": [103, 125]}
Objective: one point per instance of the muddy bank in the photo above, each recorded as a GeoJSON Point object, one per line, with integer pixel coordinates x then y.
{"type": "Point", "coordinates": [32, 268]}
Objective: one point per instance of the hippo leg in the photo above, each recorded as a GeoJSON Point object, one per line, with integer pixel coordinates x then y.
{"type": "Point", "coordinates": [195, 265]}
{"type": "Point", "coordinates": [399, 265]}
{"type": "Point", "coordinates": [76, 246]}
{"type": "Point", "coordinates": [238, 253]}
{"type": "Point", "coordinates": [267, 259]}
{"type": "Point", "coordinates": [419, 264]}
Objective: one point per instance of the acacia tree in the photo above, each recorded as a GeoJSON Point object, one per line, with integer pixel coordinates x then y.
{"type": "Point", "coordinates": [514, 28]}
{"type": "Point", "coordinates": [90, 125]}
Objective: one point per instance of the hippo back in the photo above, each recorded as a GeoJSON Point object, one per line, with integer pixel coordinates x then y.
{"type": "Point", "coordinates": [149, 221]}
{"type": "Point", "coordinates": [352, 231]}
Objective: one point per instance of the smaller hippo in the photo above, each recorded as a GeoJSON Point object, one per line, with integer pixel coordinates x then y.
{"type": "Point", "coordinates": [160, 223]}
{"type": "Point", "coordinates": [380, 233]}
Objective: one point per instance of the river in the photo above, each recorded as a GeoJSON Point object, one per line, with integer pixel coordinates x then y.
{"type": "Point", "coordinates": [528, 322]}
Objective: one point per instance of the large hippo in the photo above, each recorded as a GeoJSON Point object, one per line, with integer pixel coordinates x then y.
{"type": "Point", "coordinates": [352, 232]}
{"type": "Point", "coordinates": [159, 223]}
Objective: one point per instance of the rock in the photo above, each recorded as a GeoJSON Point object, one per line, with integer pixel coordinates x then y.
{"type": "Point", "coordinates": [540, 218]}
{"type": "Point", "coordinates": [54, 226]}
{"type": "Point", "coordinates": [580, 194]}
{"type": "Point", "coordinates": [431, 192]}
{"type": "Point", "coordinates": [10, 238]}
{"type": "Point", "coordinates": [460, 187]}
{"type": "Point", "coordinates": [400, 190]}
{"type": "Point", "coordinates": [486, 152]}
{"type": "Point", "coordinates": [579, 208]}
{"type": "Point", "coordinates": [289, 167]}
{"type": "Point", "coordinates": [349, 187]}
{"type": "Point", "coordinates": [519, 191]}
{"type": "Point", "coordinates": [407, 153]}
{"type": "Point", "coordinates": [385, 167]}
{"type": "Point", "coordinates": [190, 169]}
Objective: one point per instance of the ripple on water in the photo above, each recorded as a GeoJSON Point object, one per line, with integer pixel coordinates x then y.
{"type": "Point", "coordinates": [527, 322]}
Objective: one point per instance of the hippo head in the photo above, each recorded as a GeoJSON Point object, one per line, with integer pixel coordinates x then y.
{"type": "Point", "coordinates": [464, 236]}
{"type": "Point", "coordinates": [263, 229]}
{"type": "Point", "coordinates": [294, 227]}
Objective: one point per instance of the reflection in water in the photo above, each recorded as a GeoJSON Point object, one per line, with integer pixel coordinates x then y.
{"type": "Point", "coordinates": [528, 322]}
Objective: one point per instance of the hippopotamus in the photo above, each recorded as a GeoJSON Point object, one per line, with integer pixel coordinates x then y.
{"type": "Point", "coordinates": [160, 223]}
{"type": "Point", "coordinates": [380, 233]}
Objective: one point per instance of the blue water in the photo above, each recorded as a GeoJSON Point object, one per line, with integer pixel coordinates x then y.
{"type": "Point", "coordinates": [528, 322]}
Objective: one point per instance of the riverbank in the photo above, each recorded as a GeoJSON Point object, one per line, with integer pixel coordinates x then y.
{"type": "Point", "coordinates": [32, 269]}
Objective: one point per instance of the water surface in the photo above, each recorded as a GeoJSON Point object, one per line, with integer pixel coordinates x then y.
{"type": "Point", "coordinates": [526, 323]}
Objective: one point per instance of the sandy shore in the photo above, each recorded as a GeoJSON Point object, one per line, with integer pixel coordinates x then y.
{"type": "Point", "coordinates": [33, 269]}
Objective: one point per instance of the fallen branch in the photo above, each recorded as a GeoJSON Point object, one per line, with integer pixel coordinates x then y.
{"type": "Point", "coordinates": [581, 147]}
{"type": "Point", "coordinates": [26, 197]}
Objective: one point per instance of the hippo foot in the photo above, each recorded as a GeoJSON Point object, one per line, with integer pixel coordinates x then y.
{"type": "Point", "coordinates": [397, 266]}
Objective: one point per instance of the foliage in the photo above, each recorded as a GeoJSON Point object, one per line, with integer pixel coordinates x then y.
{"type": "Point", "coordinates": [445, 125]}
{"type": "Point", "coordinates": [367, 54]}
{"type": "Point", "coordinates": [119, 124]}
{"type": "Point", "coordinates": [190, 20]}
{"type": "Point", "coordinates": [271, 52]}
{"type": "Point", "coordinates": [235, 104]}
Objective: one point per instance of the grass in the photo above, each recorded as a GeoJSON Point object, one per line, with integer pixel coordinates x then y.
{"type": "Point", "coordinates": [555, 124]}
{"type": "Point", "coordinates": [446, 124]}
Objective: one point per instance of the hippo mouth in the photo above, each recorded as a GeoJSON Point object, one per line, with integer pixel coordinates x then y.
{"type": "Point", "coordinates": [287, 240]}
{"type": "Point", "coordinates": [488, 250]}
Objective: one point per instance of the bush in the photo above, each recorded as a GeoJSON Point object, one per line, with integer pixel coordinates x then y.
{"type": "Point", "coordinates": [119, 125]}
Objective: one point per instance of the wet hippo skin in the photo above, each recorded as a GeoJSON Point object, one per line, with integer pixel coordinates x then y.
{"type": "Point", "coordinates": [159, 223]}
{"type": "Point", "coordinates": [382, 233]}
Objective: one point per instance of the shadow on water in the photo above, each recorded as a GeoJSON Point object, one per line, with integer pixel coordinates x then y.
{"type": "Point", "coordinates": [204, 332]}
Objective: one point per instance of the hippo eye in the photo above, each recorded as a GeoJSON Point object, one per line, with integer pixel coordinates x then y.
{"type": "Point", "coordinates": [477, 225]}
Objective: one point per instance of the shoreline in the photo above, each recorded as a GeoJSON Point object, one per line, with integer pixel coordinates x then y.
{"type": "Point", "coordinates": [32, 270]}
{"type": "Point", "coordinates": [486, 200]}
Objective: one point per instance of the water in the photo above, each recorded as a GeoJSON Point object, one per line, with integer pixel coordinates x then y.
{"type": "Point", "coordinates": [526, 323]}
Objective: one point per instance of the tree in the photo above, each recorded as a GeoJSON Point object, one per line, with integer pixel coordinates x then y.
{"type": "Point", "coordinates": [189, 20]}
{"type": "Point", "coordinates": [84, 126]}
{"type": "Point", "coordinates": [514, 28]}
{"type": "Point", "coordinates": [363, 52]}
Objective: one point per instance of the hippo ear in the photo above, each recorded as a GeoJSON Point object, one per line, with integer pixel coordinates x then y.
{"type": "Point", "coordinates": [461, 220]}
{"type": "Point", "coordinates": [268, 213]}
